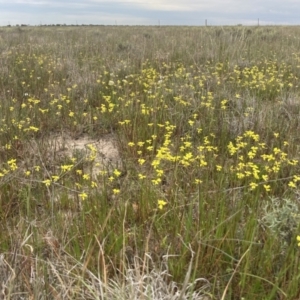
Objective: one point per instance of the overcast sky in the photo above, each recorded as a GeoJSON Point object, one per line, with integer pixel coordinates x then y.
{"type": "Point", "coordinates": [150, 12]}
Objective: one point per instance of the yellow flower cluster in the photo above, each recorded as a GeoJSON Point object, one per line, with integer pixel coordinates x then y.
{"type": "Point", "coordinates": [255, 162]}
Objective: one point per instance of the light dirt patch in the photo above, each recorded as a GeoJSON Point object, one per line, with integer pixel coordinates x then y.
{"type": "Point", "coordinates": [107, 156]}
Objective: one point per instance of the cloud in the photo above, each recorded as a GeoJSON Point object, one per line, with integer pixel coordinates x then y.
{"type": "Point", "coordinates": [148, 12]}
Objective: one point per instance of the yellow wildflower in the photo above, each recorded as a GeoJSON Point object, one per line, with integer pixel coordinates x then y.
{"type": "Point", "coordinates": [83, 196]}
{"type": "Point", "coordinates": [161, 204]}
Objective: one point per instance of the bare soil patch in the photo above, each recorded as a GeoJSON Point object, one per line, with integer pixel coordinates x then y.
{"type": "Point", "coordinates": [107, 155]}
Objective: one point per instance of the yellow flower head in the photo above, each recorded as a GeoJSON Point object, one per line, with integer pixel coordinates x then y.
{"type": "Point", "coordinates": [161, 204]}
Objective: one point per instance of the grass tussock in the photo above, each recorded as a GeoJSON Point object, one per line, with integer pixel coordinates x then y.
{"type": "Point", "coordinates": [149, 162]}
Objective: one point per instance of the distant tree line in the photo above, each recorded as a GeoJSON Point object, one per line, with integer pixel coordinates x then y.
{"type": "Point", "coordinates": [50, 25]}
{"type": "Point", "coordinates": [65, 25]}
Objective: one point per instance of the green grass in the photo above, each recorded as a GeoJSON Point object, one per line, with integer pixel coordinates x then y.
{"type": "Point", "coordinates": [195, 195]}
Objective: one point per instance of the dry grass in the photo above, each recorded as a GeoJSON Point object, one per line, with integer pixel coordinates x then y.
{"type": "Point", "coordinates": [60, 276]}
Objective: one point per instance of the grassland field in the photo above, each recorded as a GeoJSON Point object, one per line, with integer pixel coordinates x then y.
{"type": "Point", "coordinates": [149, 162]}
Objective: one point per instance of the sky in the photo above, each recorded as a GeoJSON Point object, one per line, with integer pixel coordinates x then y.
{"type": "Point", "coordinates": [150, 12]}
